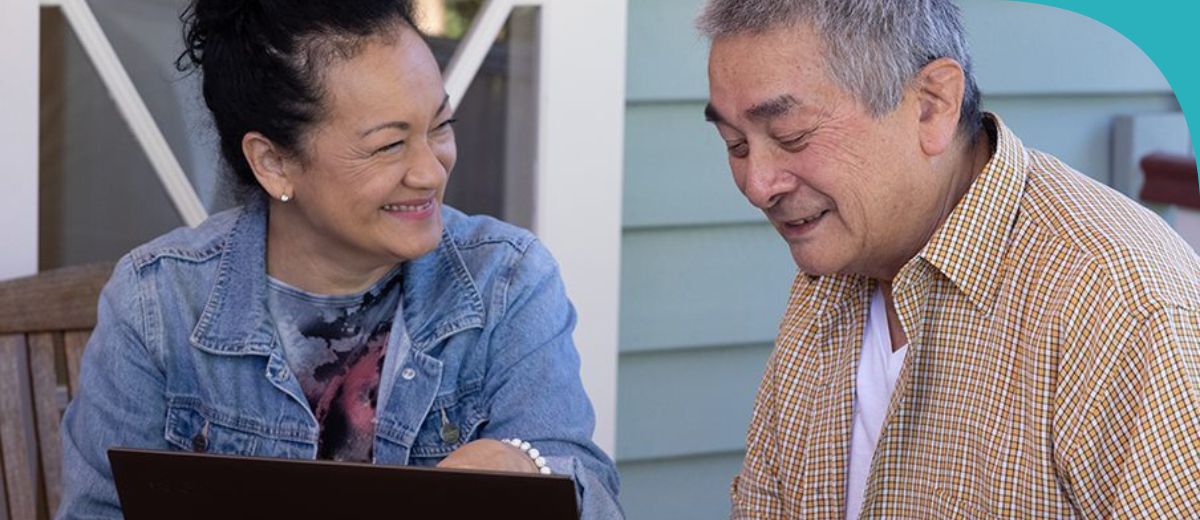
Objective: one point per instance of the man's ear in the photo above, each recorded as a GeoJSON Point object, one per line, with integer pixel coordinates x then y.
{"type": "Point", "coordinates": [268, 161]}
{"type": "Point", "coordinates": [940, 89]}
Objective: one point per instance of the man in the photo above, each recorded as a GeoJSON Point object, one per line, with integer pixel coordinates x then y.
{"type": "Point", "coordinates": [976, 329]}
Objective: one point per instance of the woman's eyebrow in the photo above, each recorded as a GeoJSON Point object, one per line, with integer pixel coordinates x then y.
{"type": "Point", "coordinates": [404, 125]}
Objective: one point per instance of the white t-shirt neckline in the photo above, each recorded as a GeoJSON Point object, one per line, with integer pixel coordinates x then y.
{"type": "Point", "coordinates": [878, 369]}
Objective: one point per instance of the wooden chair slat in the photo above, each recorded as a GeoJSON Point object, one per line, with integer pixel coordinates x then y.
{"type": "Point", "coordinates": [3, 485]}
{"type": "Point", "coordinates": [65, 299]}
{"type": "Point", "coordinates": [42, 347]}
{"type": "Point", "coordinates": [45, 322]}
{"type": "Point", "coordinates": [3, 493]}
{"type": "Point", "coordinates": [15, 440]}
{"type": "Point", "coordinates": [73, 343]}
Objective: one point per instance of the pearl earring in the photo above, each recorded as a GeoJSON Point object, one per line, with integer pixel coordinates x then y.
{"type": "Point", "coordinates": [285, 197]}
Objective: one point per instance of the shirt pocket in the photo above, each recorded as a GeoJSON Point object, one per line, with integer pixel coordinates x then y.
{"type": "Point", "coordinates": [947, 505]}
{"type": "Point", "coordinates": [192, 427]}
{"type": "Point", "coordinates": [454, 420]}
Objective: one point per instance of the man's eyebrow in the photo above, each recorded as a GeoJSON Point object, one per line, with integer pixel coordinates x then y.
{"type": "Point", "coordinates": [773, 108]}
{"type": "Point", "coordinates": [403, 125]}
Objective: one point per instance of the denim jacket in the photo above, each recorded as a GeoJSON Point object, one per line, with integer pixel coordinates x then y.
{"type": "Point", "coordinates": [185, 356]}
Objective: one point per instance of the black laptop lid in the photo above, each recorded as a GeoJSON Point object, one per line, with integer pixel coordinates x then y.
{"type": "Point", "coordinates": [154, 485]}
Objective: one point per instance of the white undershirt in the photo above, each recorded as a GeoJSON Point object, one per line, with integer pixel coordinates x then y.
{"type": "Point", "coordinates": [878, 369]}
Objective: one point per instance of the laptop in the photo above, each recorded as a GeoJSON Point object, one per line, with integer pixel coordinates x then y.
{"type": "Point", "coordinates": [153, 485]}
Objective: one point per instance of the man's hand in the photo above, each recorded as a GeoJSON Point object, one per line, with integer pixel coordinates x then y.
{"type": "Point", "coordinates": [489, 454]}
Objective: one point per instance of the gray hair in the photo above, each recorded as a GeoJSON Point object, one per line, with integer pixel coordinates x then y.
{"type": "Point", "coordinates": [874, 47]}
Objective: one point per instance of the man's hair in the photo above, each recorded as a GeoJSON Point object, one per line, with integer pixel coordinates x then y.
{"type": "Point", "coordinates": [874, 47]}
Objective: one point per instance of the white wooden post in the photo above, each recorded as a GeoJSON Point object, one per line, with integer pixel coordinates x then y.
{"type": "Point", "coordinates": [577, 210]}
{"type": "Point", "coordinates": [19, 28]}
{"type": "Point", "coordinates": [577, 186]}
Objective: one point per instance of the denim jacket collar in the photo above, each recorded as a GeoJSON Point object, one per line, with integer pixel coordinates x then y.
{"type": "Point", "coordinates": [440, 297]}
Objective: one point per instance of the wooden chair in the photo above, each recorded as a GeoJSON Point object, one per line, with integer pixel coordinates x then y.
{"type": "Point", "coordinates": [45, 321]}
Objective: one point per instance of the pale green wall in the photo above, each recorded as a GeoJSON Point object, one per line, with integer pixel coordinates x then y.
{"type": "Point", "coordinates": [705, 279]}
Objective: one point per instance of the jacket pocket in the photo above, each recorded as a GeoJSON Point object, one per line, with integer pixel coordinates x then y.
{"type": "Point", "coordinates": [453, 420]}
{"type": "Point", "coordinates": [192, 427]}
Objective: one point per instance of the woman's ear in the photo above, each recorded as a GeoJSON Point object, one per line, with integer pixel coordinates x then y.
{"type": "Point", "coordinates": [268, 161]}
{"type": "Point", "coordinates": [940, 87]}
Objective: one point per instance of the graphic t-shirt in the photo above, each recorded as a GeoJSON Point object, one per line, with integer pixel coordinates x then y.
{"type": "Point", "coordinates": [335, 346]}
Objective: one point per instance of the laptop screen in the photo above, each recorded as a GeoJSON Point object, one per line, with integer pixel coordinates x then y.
{"type": "Point", "coordinates": [153, 485]}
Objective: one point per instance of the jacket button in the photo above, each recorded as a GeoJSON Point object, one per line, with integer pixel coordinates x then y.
{"type": "Point", "coordinates": [199, 443]}
{"type": "Point", "coordinates": [408, 373]}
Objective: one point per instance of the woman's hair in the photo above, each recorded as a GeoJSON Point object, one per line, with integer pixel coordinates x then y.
{"type": "Point", "coordinates": [262, 62]}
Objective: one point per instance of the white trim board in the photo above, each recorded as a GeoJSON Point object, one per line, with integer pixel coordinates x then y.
{"type": "Point", "coordinates": [19, 28]}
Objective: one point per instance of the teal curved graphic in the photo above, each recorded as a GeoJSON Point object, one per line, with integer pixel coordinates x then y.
{"type": "Point", "coordinates": [1165, 30]}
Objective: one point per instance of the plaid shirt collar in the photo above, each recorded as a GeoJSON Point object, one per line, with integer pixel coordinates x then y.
{"type": "Point", "coordinates": [970, 245]}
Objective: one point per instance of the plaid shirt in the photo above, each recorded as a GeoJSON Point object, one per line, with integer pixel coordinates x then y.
{"type": "Point", "coordinates": [1053, 366]}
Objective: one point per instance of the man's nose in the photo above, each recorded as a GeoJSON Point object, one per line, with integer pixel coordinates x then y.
{"type": "Point", "coordinates": [767, 181]}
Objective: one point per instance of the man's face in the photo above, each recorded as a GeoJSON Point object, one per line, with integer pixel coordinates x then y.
{"type": "Point", "coordinates": [842, 187]}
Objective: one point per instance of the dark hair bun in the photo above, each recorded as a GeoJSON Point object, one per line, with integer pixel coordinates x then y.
{"type": "Point", "coordinates": [203, 19]}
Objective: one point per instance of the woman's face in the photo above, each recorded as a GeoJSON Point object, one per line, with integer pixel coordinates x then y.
{"type": "Point", "coordinates": [369, 187]}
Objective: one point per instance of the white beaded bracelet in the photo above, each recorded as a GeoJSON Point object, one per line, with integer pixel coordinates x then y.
{"type": "Point", "coordinates": [533, 453]}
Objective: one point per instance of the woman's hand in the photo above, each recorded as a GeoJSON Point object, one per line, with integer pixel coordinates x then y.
{"type": "Point", "coordinates": [489, 454]}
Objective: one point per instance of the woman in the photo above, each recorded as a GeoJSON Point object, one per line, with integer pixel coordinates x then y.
{"type": "Point", "coordinates": [342, 312]}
